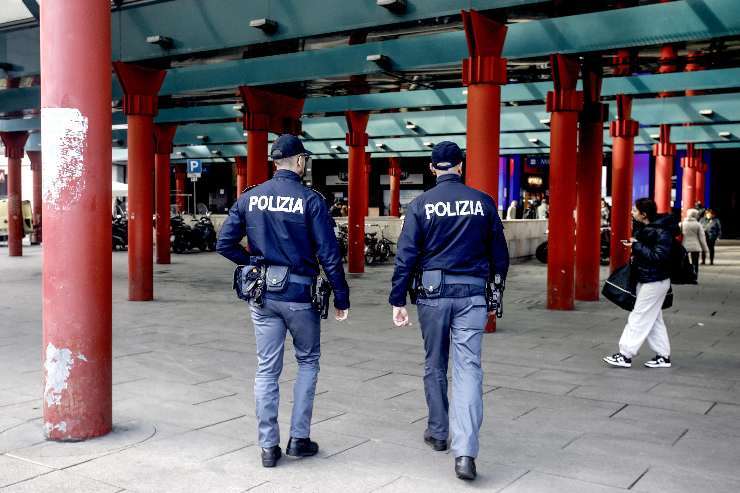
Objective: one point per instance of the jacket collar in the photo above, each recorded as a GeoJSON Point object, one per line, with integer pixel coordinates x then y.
{"type": "Point", "coordinates": [452, 178]}
{"type": "Point", "coordinates": [287, 174]}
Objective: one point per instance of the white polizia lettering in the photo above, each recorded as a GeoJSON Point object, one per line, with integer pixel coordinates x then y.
{"type": "Point", "coordinates": [456, 208]}
{"type": "Point", "coordinates": [276, 203]}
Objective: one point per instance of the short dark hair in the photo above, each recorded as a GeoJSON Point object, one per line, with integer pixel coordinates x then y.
{"type": "Point", "coordinates": [648, 207]}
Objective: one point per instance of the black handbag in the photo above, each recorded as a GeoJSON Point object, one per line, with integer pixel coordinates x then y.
{"type": "Point", "coordinates": [682, 272]}
{"type": "Point", "coordinates": [621, 289]}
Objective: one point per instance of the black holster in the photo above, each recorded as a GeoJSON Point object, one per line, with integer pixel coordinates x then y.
{"type": "Point", "coordinates": [321, 292]}
{"type": "Point", "coordinates": [249, 283]}
{"type": "Point", "coordinates": [495, 295]}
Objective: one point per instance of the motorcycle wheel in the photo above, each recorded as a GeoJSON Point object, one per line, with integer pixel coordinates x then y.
{"type": "Point", "coordinates": [369, 259]}
{"type": "Point", "coordinates": [541, 252]}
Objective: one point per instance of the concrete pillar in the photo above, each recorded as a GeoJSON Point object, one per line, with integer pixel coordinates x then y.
{"type": "Point", "coordinates": [394, 179]}
{"type": "Point", "coordinates": [241, 174]}
{"type": "Point", "coordinates": [163, 135]}
{"type": "Point", "coordinates": [35, 158]}
{"type": "Point", "coordinates": [588, 179]}
{"type": "Point", "coordinates": [688, 182]}
{"type": "Point", "coordinates": [76, 127]}
{"type": "Point", "coordinates": [14, 143]}
{"type": "Point", "coordinates": [564, 103]}
{"type": "Point", "coordinates": [664, 153]}
{"type": "Point", "coordinates": [140, 86]}
{"type": "Point", "coordinates": [623, 131]}
{"type": "Point", "coordinates": [180, 180]}
{"type": "Point", "coordinates": [483, 72]}
{"type": "Point", "coordinates": [357, 140]}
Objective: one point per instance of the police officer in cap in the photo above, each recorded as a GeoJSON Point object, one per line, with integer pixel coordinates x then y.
{"type": "Point", "coordinates": [287, 225]}
{"type": "Point", "coordinates": [453, 240]}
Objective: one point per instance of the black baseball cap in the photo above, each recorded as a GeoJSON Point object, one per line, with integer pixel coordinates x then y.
{"type": "Point", "coordinates": [446, 155]}
{"type": "Point", "coordinates": [287, 145]}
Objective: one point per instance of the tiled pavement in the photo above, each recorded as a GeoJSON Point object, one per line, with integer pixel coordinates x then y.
{"type": "Point", "coordinates": [555, 418]}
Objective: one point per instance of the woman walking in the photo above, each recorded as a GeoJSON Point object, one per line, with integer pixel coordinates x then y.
{"type": "Point", "coordinates": [713, 231]}
{"type": "Point", "coordinates": [651, 252]}
{"type": "Point", "coordinates": [694, 239]}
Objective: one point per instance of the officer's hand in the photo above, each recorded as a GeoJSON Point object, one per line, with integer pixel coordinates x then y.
{"type": "Point", "coordinates": [400, 316]}
{"type": "Point", "coordinates": [341, 315]}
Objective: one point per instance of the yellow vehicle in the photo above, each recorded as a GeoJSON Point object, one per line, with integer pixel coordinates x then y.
{"type": "Point", "coordinates": [27, 218]}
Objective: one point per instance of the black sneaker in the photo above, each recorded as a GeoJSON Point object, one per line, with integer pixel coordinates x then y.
{"type": "Point", "coordinates": [301, 447]}
{"type": "Point", "coordinates": [659, 362]}
{"type": "Point", "coordinates": [271, 456]}
{"type": "Point", "coordinates": [618, 360]}
{"type": "Point", "coordinates": [435, 443]}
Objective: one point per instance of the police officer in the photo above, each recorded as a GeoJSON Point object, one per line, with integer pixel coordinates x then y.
{"type": "Point", "coordinates": [286, 224]}
{"type": "Point", "coordinates": [454, 238]}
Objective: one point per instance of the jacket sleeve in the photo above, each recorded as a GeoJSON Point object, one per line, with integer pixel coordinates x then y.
{"type": "Point", "coordinates": [408, 253]}
{"type": "Point", "coordinates": [327, 250]}
{"type": "Point", "coordinates": [499, 255]}
{"type": "Point", "coordinates": [659, 254]}
{"type": "Point", "coordinates": [232, 232]}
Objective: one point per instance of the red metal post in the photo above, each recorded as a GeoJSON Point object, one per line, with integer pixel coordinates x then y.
{"type": "Point", "coordinates": [668, 64]}
{"type": "Point", "coordinates": [394, 177]}
{"type": "Point", "coordinates": [14, 143]}
{"type": "Point", "coordinates": [76, 125]}
{"type": "Point", "coordinates": [241, 174]}
{"type": "Point", "coordinates": [163, 135]}
{"type": "Point", "coordinates": [564, 103]}
{"type": "Point", "coordinates": [483, 72]}
{"type": "Point", "coordinates": [35, 158]}
{"type": "Point", "coordinates": [357, 190]}
{"type": "Point", "coordinates": [623, 131]}
{"type": "Point", "coordinates": [694, 63]}
{"type": "Point", "coordinates": [664, 153]}
{"type": "Point", "coordinates": [701, 168]}
{"type": "Point", "coordinates": [588, 179]}
{"type": "Point", "coordinates": [688, 183]}
{"type": "Point", "coordinates": [366, 184]}
{"type": "Point", "coordinates": [180, 176]}
{"type": "Point", "coordinates": [266, 111]}
{"type": "Point", "coordinates": [140, 86]}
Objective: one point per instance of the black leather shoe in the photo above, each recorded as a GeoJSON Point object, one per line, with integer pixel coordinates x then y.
{"type": "Point", "coordinates": [435, 443]}
{"type": "Point", "coordinates": [465, 468]}
{"type": "Point", "coordinates": [301, 447]}
{"type": "Point", "coordinates": [271, 456]}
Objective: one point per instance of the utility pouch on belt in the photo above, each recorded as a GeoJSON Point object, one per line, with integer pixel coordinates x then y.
{"type": "Point", "coordinates": [321, 291]}
{"type": "Point", "coordinates": [495, 295]}
{"type": "Point", "coordinates": [431, 284]}
{"type": "Point", "coordinates": [249, 283]}
{"type": "Point", "coordinates": [277, 278]}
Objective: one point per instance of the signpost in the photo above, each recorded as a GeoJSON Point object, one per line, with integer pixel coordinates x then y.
{"type": "Point", "coordinates": [194, 169]}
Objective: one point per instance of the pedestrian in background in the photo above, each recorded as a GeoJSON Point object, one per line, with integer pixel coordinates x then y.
{"type": "Point", "coordinates": [713, 231]}
{"type": "Point", "coordinates": [511, 211]}
{"type": "Point", "coordinates": [694, 239]}
{"type": "Point", "coordinates": [651, 252]}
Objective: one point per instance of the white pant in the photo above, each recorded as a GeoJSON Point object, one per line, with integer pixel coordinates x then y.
{"type": "Point", "coordinates": [646, 321]}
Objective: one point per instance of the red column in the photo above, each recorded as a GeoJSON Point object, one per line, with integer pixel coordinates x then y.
{"type": "Point", "coordinates": [76, 127]}
{"type": "Point", "coordinates": [366, 184]}
{"type": "Point", "coordinates": [357, 190]}
{"type": "Point", "coordinates": [241, 174]}
{"type": "Point", "coordinates": [266, 111]}
{"type": "Point", "coordinates": [688, 184]}
{"type": "Point", "coordinates": [588, 178]}
{"type": "Point", "coordinates": [668, 64]}
{"type": "Point", "coordinates": [163, 135]}
{"type": "Point", "coordinates": [394, 177]}
{"type": "Point", "coordinates": [701, 168]}
{"type": "Point", "coordinates": [35, 158]}
{"type": "Point", "coordinates": [14, 143]}
{"type": "Point", "coordinates": [180, 176]}
{"type": "Point", "coordinates": [664, 153]}
{"type": "Point", "coordinates": [564, 103]}
{"type": "Point", "coordinates": [140, 87]}
{"type": "Point", "coordinates": [623, 131]}
{"type": "Point", "coordinates": [483, 72]}
{"type": "Point", "coordinates": [694, 63]}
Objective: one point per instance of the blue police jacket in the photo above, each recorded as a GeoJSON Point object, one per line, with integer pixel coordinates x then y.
{"type": "Point", "coordinates": [454, 228]}
{"type": "Point", "coordinates": [286, 223]}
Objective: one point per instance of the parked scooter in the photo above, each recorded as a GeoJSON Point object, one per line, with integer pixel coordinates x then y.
{"type": "Point", "coordinates": [343, 239]}
{"type": "Point", "coordinates": [183, 237]}
{"type": "Point", "coordinates": [205, 233]}
{"type": "Point", "coordinates": [120, 232]}
{"type": "Point", "coordinates": [377, 249]}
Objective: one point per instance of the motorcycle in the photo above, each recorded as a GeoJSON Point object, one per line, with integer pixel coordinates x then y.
{"type": "Point", "coordinates": [204, 231]}
{"type": "Point", "coordinates": [120, 232]}
{"type": "Point", "coordinates": [343, 239]}
{"type": "Point", "coordinates": [541, 252]}
{"type": "Point", "coordinates": [377, 249]}
{"type": "Point", "coordinates": [183, 237]}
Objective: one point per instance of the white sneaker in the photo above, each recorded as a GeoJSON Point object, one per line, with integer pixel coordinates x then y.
{"type": "Point", "coordinates": [659, 362]}
{"type": "Point", "coordinates": [619, 360]}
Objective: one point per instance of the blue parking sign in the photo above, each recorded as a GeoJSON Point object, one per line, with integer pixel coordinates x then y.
{"type": "Point", "coordinates": [195, 166]}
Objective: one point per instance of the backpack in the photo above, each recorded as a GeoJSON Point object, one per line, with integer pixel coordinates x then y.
{"type": "Point", "coordinates": [682, 272]}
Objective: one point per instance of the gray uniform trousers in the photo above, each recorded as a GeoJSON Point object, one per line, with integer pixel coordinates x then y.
{"type": "Point", "coordinates": [456, 323]}
{"type": "Point", "coordinates": [271, 323]}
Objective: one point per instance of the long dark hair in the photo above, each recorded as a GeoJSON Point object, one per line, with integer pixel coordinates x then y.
{"type": "Point", "coordinates": [648, 207]}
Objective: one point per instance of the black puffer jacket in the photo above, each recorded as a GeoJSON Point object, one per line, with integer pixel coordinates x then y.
{"type": "Point", "coordinates": [651, 253]}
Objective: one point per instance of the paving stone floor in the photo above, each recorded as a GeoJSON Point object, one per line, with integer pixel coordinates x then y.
{"type": "Point", "coordinates": [555, 418]}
